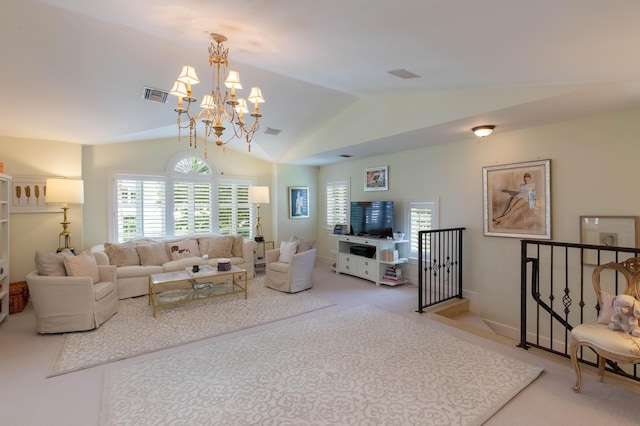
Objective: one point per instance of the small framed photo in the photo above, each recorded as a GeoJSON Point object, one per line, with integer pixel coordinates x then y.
{"type": "Point", "coordinates": [298, 202]}
{"type": "Point", "coordinates": [376, 178]}
{"type": "Point", "coordinates": [610, 231]}
{"type": "Point", "coordinates": [517, 200]}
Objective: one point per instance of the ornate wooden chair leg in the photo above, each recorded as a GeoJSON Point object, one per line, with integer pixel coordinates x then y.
{"type": "Point", "coordinates": [601, 362]}
{"type": "Point", "coordinates": [573, 351]}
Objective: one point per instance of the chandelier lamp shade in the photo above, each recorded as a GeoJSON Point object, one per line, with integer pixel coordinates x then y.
{"type": "Point", "coordinates": [64, 191]}
{"type": "Point", "coordinates": [220, 109]}
{"type": "Point", "coordinates": [482, 131]}
{"type": "Point", "coordinates": [258, 195]}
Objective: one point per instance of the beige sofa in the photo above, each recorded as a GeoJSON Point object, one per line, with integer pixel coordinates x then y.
{"type": "Point", "coordinates": [137, 259]}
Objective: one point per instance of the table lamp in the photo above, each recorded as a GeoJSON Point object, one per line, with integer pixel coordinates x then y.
{"type": "Point", "coordinates": [258, 195]}
{"type": "Point", "coordinates": [66, 191]}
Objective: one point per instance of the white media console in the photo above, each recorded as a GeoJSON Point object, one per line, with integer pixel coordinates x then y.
{"type": "Point", "coordinates": [368, 258]}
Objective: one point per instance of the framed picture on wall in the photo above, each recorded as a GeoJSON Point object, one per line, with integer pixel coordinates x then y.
{"type": "Point", "coordinates": [376, 178]}
{"type": "Point", "coordinates": [610, 231]}
{"type": "Point", "coordinates": [28, 195]}
{"type": "Point", "coordinates": [517, 200]}
{"type": "Point", "coordinates": [298, 202]}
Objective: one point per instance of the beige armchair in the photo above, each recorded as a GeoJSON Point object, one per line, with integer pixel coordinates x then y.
{"type": "Point", "coordinates": [289, 277]}
{"type": "Point", "coordinates": [65, 304]}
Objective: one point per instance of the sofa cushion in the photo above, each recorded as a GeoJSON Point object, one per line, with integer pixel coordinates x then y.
{"type": "Point", "coordinates": [102, 289]}
{"type": "Point", "coordinates": [123, 254]}
{"type": "Point", "coordinates": [287, 250]}
{"type": "Point", "coordinates": [184, 248]}
{"type": "Point", "coordinates": [51, 264]}
{"type": "Point", "coordinates": [138, 271]}
{"type": "Point", "coordinates": [181, 264]}
{"type": "Point", "coordinates": [153, 254]}
{"type": "Point", "coordinates": [82, 265]}
{"type": "Point", "coordinates": [238, 242]}
{"type": "Point", "coordinates": [303, 245]}
{"type": "Point", "coordinates": [220, 246]}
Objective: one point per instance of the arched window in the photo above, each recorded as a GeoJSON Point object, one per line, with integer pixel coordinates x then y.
{"type": "Point", "coordinates": [192, 189]}
{"type": "Point", "coordinates": [188, 198]}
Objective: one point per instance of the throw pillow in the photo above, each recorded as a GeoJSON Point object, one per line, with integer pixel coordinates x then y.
{"type": "Point", "coordinates": [606, 310]}
{"type": "Point", "coordinates": [82, 265]}
{"type": "Point", "coordinates": [220, 246]}
{"type": "Point", "coordinates": [123, 254]}
{"type": "Point", "coordinates": [303, 245]}
{"type": "Point", "coordinates": [287, 250]}
{"type": "Point", "coordinates": [153, 254]}
{"type": "Point", "coordinates": [51, 264]}
{"type": "Point", "coordinates": [238, 242]}
{"type": "Point", "coordinates": [184, 248]}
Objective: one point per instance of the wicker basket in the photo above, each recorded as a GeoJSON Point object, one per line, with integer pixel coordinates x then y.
{"type": "Point", "coordinates": [18, 297]}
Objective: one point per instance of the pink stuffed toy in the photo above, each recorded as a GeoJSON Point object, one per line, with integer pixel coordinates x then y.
{"type": "Point", "coordinates": [627, 312]}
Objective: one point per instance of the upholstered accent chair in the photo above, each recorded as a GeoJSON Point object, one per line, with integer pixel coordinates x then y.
{"type": "Point", "coordinates": [617, 346]}
{"type": "Point", "coordinates": [291, 274]}
{"type": "Point", "coordinates": [73, 303]}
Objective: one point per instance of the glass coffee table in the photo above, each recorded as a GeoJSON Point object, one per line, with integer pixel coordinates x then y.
{"type": "Point", "coordinates": [174, 288]}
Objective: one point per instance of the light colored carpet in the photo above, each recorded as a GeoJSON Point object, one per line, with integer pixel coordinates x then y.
{"type": "Point", "coordinates": [133, 330]}
{"type": "Point", "coordinates": [362, 365]}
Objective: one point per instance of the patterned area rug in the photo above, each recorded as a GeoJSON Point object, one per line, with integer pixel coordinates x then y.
{"type": "Point", "coordinates": [133, 330]}
{"type": "Point", "coordinates": [363, 365]}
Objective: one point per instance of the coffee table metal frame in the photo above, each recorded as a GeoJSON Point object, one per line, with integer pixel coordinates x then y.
{"type": "Point", "coordinates": [156, 281]}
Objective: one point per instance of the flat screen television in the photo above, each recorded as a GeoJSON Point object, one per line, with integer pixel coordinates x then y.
{"type": "Point", "coordinates": [372, 218]}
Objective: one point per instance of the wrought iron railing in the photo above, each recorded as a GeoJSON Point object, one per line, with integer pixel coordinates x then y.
{"type": "Point", "coordinates": [439, 266]}
{"type": "Point", "coordinates": [556, 294]}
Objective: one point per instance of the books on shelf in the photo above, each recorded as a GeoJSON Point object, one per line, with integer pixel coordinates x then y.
{"type": "Point", "coordinates": [392, 273]}
{"type": "Point", "coordinates": [389, 255]}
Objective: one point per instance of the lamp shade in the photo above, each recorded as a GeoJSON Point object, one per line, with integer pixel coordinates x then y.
{"type": "Point", "coordinates": [69, 191]}
{"type": "Point", "coordinates": [188, 75]}
{"type": "Point", "coordinates": [259, 195]}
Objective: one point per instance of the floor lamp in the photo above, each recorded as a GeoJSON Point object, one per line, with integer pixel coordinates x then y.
{"type": "Point", "coordinates": [258, 195]}
{"type": "Point", "coordinates": [66, 191]}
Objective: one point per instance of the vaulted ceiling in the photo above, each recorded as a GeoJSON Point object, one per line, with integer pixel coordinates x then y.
{"type": "Point", "coordinates": [75, 70]}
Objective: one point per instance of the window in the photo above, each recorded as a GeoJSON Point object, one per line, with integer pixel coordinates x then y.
{"type": "Point", "coordinates": [140, 208]}
{"type": "Point", "coordinates": [192, 195]}
{"type": "Point", "coordinates": [234, 211]}
{"type": "Point", "coordinates": [337, 203]}
{"type": "Point", "coordinates": [181, 202]}
{"type": "Point", "coordinates": [423, 215]}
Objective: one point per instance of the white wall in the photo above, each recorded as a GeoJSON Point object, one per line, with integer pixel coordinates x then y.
{"type": "Point", "coordinates": [593, 172]}
{"type": "Point", "coordinates": [39, 231]}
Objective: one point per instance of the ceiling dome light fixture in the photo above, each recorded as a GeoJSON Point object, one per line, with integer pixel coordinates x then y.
{"type": "Point", "coordinates": [482, 131]}
{"type": "Point", "coordinates": [217, 109]}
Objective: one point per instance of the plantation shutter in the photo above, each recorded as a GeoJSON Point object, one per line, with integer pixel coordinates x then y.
{"type": "Point", "coordinates": [191, 208]}
{"type": "Point", "coordinates": [421, 218]}
{"type": "Point", "coordinates": [140, 208]}
{"type": "Point", "coordinates": [234, 210]}
{"type": "Point", "coordinates": [337, 203]}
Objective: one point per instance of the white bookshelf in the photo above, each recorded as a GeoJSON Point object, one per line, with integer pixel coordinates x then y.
{"type": "Point", "coordinates": [5, 197]}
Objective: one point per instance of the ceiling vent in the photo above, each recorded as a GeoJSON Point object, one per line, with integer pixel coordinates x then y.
{"type": "Point", "coordinates": [402, 73]}
{"type": "Point", "coordinates": [270, 131]}
{"type": "Point", "coordinates": [154, 95]}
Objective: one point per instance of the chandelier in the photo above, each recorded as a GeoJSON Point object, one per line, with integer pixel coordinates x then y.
{"type": "Point", "coordinates": [217, 109]}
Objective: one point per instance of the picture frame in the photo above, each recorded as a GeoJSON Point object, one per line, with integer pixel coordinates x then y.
{"type": "Point", "coordinates": [298, 202]}
{"type": "Point", "coordinates": [517, 200]}
{"type": "Point", "coordinates": [376, 178]}
{"type": "Point", "coordinates": [611, 231]}
{"type": "Point", "coordinates": [28, 195]}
